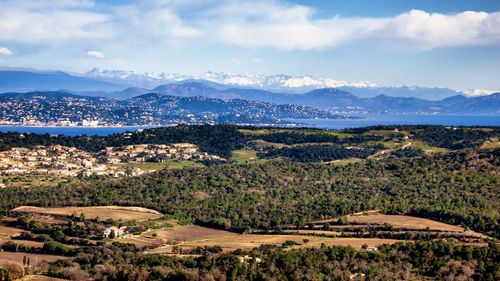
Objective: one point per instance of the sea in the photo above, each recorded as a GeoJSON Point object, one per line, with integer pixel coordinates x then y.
{"type": "Point", "coordinates": [362, 121]}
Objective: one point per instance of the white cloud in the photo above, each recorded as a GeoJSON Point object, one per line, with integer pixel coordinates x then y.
{"type": "Point", "coordinates": [235, 61]}
{"type": "Point", "coordinates": [4, 51]}
{"type": "Point", "coordinates": [46, 21]}
{"type": "Point", "coordinates": [257, 60]}
{"type": "Point", "coordinates": [256, 24]}
{"type": "Point", "coordinates": [95, 54]}
{"type": "Point", "coordinates": [293, 27]}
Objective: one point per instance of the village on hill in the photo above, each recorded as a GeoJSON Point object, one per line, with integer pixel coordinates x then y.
{"type": "Point", "coordinates": [60, 160]}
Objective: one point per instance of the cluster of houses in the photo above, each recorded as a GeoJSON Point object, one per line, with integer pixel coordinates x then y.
{"type": "Point", "coordinates": [57, 160]}
{"type": "Point", "coordinates": [48, 160]}
{"type": "Point", "coordinates": [155, 153]}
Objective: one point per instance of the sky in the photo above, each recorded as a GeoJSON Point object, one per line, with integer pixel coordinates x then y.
{"type": "Point", "coordinates": [446, 43]}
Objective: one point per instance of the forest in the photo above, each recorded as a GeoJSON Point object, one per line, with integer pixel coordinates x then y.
{"type": "Point", "coordinates": [400, 261]}
{"type": "Point", "coordinates": [458, 188]}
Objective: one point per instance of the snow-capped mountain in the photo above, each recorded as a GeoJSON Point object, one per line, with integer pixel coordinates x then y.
{"type": "Point", "coordinates": [280, 82]}
{"type": "Point", "coordinates": [277, 83]}
{"type": "Point", "coordinates": [98, 81]}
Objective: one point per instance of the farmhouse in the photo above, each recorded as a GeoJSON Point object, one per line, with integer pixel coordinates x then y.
{"type": "Point", "coordinates": [113, 232]}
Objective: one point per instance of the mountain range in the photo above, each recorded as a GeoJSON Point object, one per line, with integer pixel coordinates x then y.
{"type": "Point", "coordinates": [23, 80]}
{"type": "Point", "coordinates": [334, 100]}
{"type": "Point", "coordinates": [343, 100]}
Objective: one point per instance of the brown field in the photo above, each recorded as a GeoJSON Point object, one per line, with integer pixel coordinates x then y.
{"type": "Point", "coordinates": [491, 144]}
{"type": "Point", "coordinates": [7, 232]}
{"type": "Point", "coordinates": [41, 278]}
{"type": "Point", "coordinates": [363, 219]}
{"type": "Point", "coordinates": [103, 212]}
{"type": "Point", "coordinates": [189, 237]}
{"type": "Point", "coordinates": [315, 232]}
{"type": "Point", "coordinates": [34, 258]}
{"type": "Point", "coordinates": [35, 244]}
{"type": "Point", "coordinates": [409, 222]}
{"type": "Point", "coordinates": [250, 241]}
{"type": "Point", "coordinates": [142, 242]}
{"type": "Point", "coordinates": [188, 233]}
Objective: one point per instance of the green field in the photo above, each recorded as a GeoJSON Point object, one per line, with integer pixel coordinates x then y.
{"type": "Point", "coordinates": [427, 148]}
{"type": "Point", "coordinates": [243, 156]}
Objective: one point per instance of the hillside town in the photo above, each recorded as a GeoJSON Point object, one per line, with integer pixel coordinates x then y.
{"type": "Point", "coordinates": [57, 160]}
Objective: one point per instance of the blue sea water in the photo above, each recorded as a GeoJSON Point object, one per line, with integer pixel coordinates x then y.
{"type": "Point", "coordinates": [389, 119]}
{"type": "Point", "coordinates": [367, 120]}
{"type": "Point", "coordinates": [70, 131]}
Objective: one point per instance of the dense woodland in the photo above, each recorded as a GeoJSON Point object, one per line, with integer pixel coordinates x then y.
{"type": "Point", "coordinates": [320, 153]}
{"type": "Point", "coordinates": [400, 261]}
{"type": "Point", "coordinates": [458, 188]}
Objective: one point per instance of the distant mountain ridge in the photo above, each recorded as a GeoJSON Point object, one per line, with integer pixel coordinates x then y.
{"type": "Point", "coordinates": [108, 81]}
{"type": "Point", "coordinates": [344, 100]}
{"type": "Point", "coordinates": [340, 101]}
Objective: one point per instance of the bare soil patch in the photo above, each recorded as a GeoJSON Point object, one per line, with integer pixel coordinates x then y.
{"type": "Point", "coordinates": [7, 232]}
{"type": "Point", "coordinates": [41, 278]}
{"type": "Point", "coordinates": [250, 241]}
{"type": "Point", "coordinates": [34, 258]}
{"type": "Point", "coordinates": [399, 222]}
{"type": "Point", "coordinates": [31, 243]}
{"type": "Point", "coordinates": [406, 222]}
{"type": "Point", "coordinates": [188, 233]}
{"type": "Point", "coordinates": [103, 212]}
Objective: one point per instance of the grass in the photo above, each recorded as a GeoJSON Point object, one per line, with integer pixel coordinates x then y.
{"type": "Point", "coordinates": [31, 180]}
{"type": "Point", "coordinates": [427, 148]}
{"type": "Point", "coordinates": [386, 133]}
{"type": "Point", "coordinates": [341, 162]}
{"type": "Point", "coordinates": [491, 144]}
{"type": "Point", "coordinates": [243, 156]}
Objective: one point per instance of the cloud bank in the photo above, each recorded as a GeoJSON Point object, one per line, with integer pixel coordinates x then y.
{"type": "Point", "coordinates": [253, 24]}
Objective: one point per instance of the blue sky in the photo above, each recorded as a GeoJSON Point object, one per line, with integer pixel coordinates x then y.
{"type": "Point", "coordinates": [453, 44]}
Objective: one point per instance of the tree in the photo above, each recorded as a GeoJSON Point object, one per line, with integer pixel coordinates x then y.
{"type": "Point", "coordinates": [5, 274]}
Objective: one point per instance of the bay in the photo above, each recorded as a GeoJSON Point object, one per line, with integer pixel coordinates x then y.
{"type": "Point", "coordinates": [365, 120]}
{"type": "Point", "coordinates": [389, 119]}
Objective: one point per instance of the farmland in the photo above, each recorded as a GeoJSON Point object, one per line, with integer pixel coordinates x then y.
{"type": "Point", "coordinates": [399, 223]}
{"type": "Point", "coordinates": [103, 213]}
{"type": "Point", "coordinates": [34, 258]}
{"type": "Point", "coordinates": [182, 234]}
{"type": "Point", "coordinates": [232, 242]}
